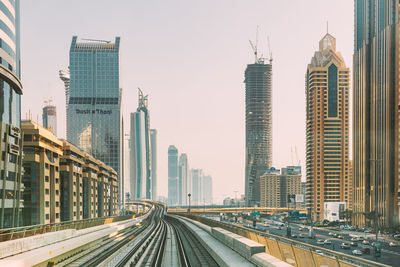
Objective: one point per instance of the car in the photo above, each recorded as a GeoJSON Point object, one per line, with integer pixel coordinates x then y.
{"type": "Point", "coordinates": [331, 234]}
{"type": "Point", "coordinates": [320, 241]}
{"type": "Point", "coordinates": [356, 252]}
{"type": "Point", "coordinates": [372, 232]}
{"type": "Point", "coordinates": [345, 245]}
{"type": "Point", "coordinates": [340, 237]}
{"type": "Point", "coordinates": [327, 242]}
{"type": "Point", "coordinates": [365, 250]}
{"type": "Point", "coordinates": [365, 242]}
{"type": "Point", "coordinates": [293, 236]}
{"type": "Point", "coordinates": [302, 235]}
{"type": "Point", "coordinates": [319, 252]}
{"type": "Point", "coordinates": [354, 239]}
{"type": "Point", "coordinates": [393, 244]}
{"type": "Point", "coordinates": [354, 244]}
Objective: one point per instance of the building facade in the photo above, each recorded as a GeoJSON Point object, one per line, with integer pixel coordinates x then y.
{"type": "Point", "coordinates": [183, 180]}
{"type": "Point", "coordinates": [63, 182]}
{"type": "Point", "coordinates": [376, 113]}
{"type": "Point", "coordinates": [49, 117]}
{"type": "Point", "coordinates": [258, 80]}
{"type": "Point", "coordinates": [94, 100]}
{"type": "Point", "coordinates": [42, 196]}
{"type": "Point", "coordinates": [153, 144]}
{"type": "Point", "coordinates": [140, 151]}
{"type": "Point", "coordinates": [207, 190]}
{"type": "Point", "coordinates": [173, 196]}
{"type": "Point", "coordinates": [327, 129]}
{"type": "Point", "coordinates": [10, 115]}
{"type": "Point", "coordinates": [276, 185]}
{"type": "Point", "coordinates": [197, 182]}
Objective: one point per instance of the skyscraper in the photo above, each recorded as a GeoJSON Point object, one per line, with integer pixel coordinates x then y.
{"type": "Point", "coordinates": [172, 175]}
{"type": "Point", "coordinates": [49, 117]}
{"type": "Point", "coordinates": [10, 115]}
{"type": "Point", "coordinates": [376, 112]}
{"type": "Point", "coordinates": [65, 77]}
{"type": "Point", "coordinates": [183, 179]}
{"type": "Point", "coordinates": [94, 101]}
{"type": "Point", "coordinates": [258, 80]}
{"type": "Point", "coordinates": [207, 190]}
{"type": "Point", "coordinates": [140, 151]}
{"type": "Point", "coordinates": [327, 128]}
{"type": "Point", "coordinates": [153, 144]}
{"type": "Point", "coordinates": [197, 178]}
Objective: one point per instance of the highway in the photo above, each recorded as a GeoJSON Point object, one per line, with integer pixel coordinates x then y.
{"type": "Point", "coordinates": [389, 255]}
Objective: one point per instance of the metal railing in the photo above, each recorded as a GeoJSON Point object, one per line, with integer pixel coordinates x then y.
{"type": "Point", "coordinates": [293, 252]}
{"type": "Point", "coordinates": [31, 230]}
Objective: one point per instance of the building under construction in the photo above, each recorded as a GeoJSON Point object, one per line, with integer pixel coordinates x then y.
{"type": "Point", "coordinates": [258, 80]}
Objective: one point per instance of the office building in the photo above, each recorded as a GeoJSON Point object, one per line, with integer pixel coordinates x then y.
{"type": "Point", "coordinates": [10, 115]}
{"type": "Point", "coordinates": [183, 181]}
{"type": "Point", "coordinates": [197, 182]}
{"type": "Point", "coordinates": [65, 77]}
{"type": "Point", "coordinates": [94, 100]}
{"type": "Point", "coordinates": [173, 196]}
{"type": "Point", "coordinates": [207, 190]}
{"type": "Point", "coordinates": [276, 185]}
{"type": "Point", "coordinates": [140, 151]}
{"type": "Point", "coordinates": [376, 113]}
{"type": "Point", "coordinates": [42, 153]}
{"type": "Point", "coordinates": [153, 144]}
{"type": "Point", "coordinates": [49, 117]}
{"type": "Point", "coordinates": [258, 80]}
{"type": "Point", "coordinates": [327, 129]}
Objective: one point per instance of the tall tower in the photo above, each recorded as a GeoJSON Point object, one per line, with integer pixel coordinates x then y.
{"type": "Point", "coordinates": [49, 117]}
{"type": "Point", "coordinates": [10, 115]}
{"type": "Point", "coordinates": [197, 181]}
{"type": "Point", "coordinates": [258, 80]}
{"type": "Point", "coordinates": [94, 101]}
{"type": "Point", "coordinates": [172, 175]}
{"type": "Point", "coordinates": [153, 144]}
{"type": "Point", "coordinates": [183, 179]}
{"type": "Point", "coordinates": [327, 129]}
{"type": "Point", "coordinates": [65, 77]}
{"type": "Point", "coordinates": [140, 151]}
{"type": "Point", "coordinates": [376, 112]}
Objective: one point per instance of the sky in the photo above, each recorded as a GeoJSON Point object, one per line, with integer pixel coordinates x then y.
{"type": "Point", "coordinates": [190, 58]}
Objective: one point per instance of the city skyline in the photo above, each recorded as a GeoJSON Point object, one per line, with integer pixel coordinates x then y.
{"type": "Point", "coordinates": [136, 70]}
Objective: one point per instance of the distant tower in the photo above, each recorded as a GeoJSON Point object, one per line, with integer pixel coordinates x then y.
{"type": "Point", "coordinates": [50, 117]}
{"type": "Point", "coordinates": [172, 175]}
{"type": "Point", "coordinates": [153, 144]}
{"type": "Point", "coordinates": [140, 151]}
{"type": "Point", "coordinates": [327, 129]}
{"type": "Point", "coordinates": [65, 77]}
{"type": "Point", "coordinates": [183, 179]}
{"type": "Point", "coordinates": [258, 80]}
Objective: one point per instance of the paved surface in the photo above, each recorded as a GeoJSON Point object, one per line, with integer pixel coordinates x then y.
{"type": "Point", "coordinates": [389, 255]}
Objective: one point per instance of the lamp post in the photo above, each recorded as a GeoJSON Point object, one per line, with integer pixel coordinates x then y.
{"type": "Point", "coordinates": [189, 195]}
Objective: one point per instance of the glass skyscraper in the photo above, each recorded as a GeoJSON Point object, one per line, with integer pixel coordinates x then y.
{"type": "Point", "coordinates": [153, 144]}
{"type": "Point", "coordinates": [50, 118]}
{"type": "Point", "coordinates": [376, 113]}
{"type": "Point", "coordinates": [10, 115]}
{"type": "Point", "coordinates": [94, 100]}
{"type": "Point", "coordinates": [140, 151]}
{"type": "Point", "coordinates": [172, 175]}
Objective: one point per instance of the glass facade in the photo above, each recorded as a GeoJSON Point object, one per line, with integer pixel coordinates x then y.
{"type": "Point", "coordinates": [10, 115]}
{"type": "Point", "coordinates": [172, 175]}
{"type": "Point", "coordinates": [94, 103]}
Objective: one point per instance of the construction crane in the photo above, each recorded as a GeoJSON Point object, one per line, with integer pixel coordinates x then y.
{"type": "Point", "coordinates": [293, 153]}
{"type": "Point", "coordinates": [255, 49]}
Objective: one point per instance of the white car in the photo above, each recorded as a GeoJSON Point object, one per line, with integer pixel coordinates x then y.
{"type": "Point", "coordinates": [356, 252]}
{"type": "Point", "coordinates": [365, 242]}
{"type": "Point", "coordinates": [393, 244]}
{"type": "Point", "coordinates": [331, 234]}
{"type": "Point", "coordinates": [327, 242]}
{"type": "Point", "coordinates": [320, 241]}
{"type": "Point", "coordinates": [355, 239]}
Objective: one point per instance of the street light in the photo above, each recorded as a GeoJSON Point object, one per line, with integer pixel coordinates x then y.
{"type": "Point", "coordinates": [189, 195]}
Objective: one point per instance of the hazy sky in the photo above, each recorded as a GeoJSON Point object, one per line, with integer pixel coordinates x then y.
{"type": "Point", "coordinates": [189, 57]}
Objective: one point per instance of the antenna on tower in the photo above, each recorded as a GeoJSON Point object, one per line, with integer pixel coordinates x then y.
{"type": "Point", "coordinates": [48, 101]}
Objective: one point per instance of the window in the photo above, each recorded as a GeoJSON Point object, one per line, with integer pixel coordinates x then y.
{"type": "Point", "coordinates": [47, 191]}
{"type": "Point", "coordinates": [46, 178]}
{"type": "Point", "coordinates": [47, 204]}
{"type": "Point", "coordinates": [47, 216]}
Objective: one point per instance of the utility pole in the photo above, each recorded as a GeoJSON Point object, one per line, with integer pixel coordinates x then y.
{"type": "Point", "coordinates": [189, 195]}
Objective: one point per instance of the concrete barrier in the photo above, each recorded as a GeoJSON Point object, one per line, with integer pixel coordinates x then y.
{"type": "Point", "coordinates": [264, 259]}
